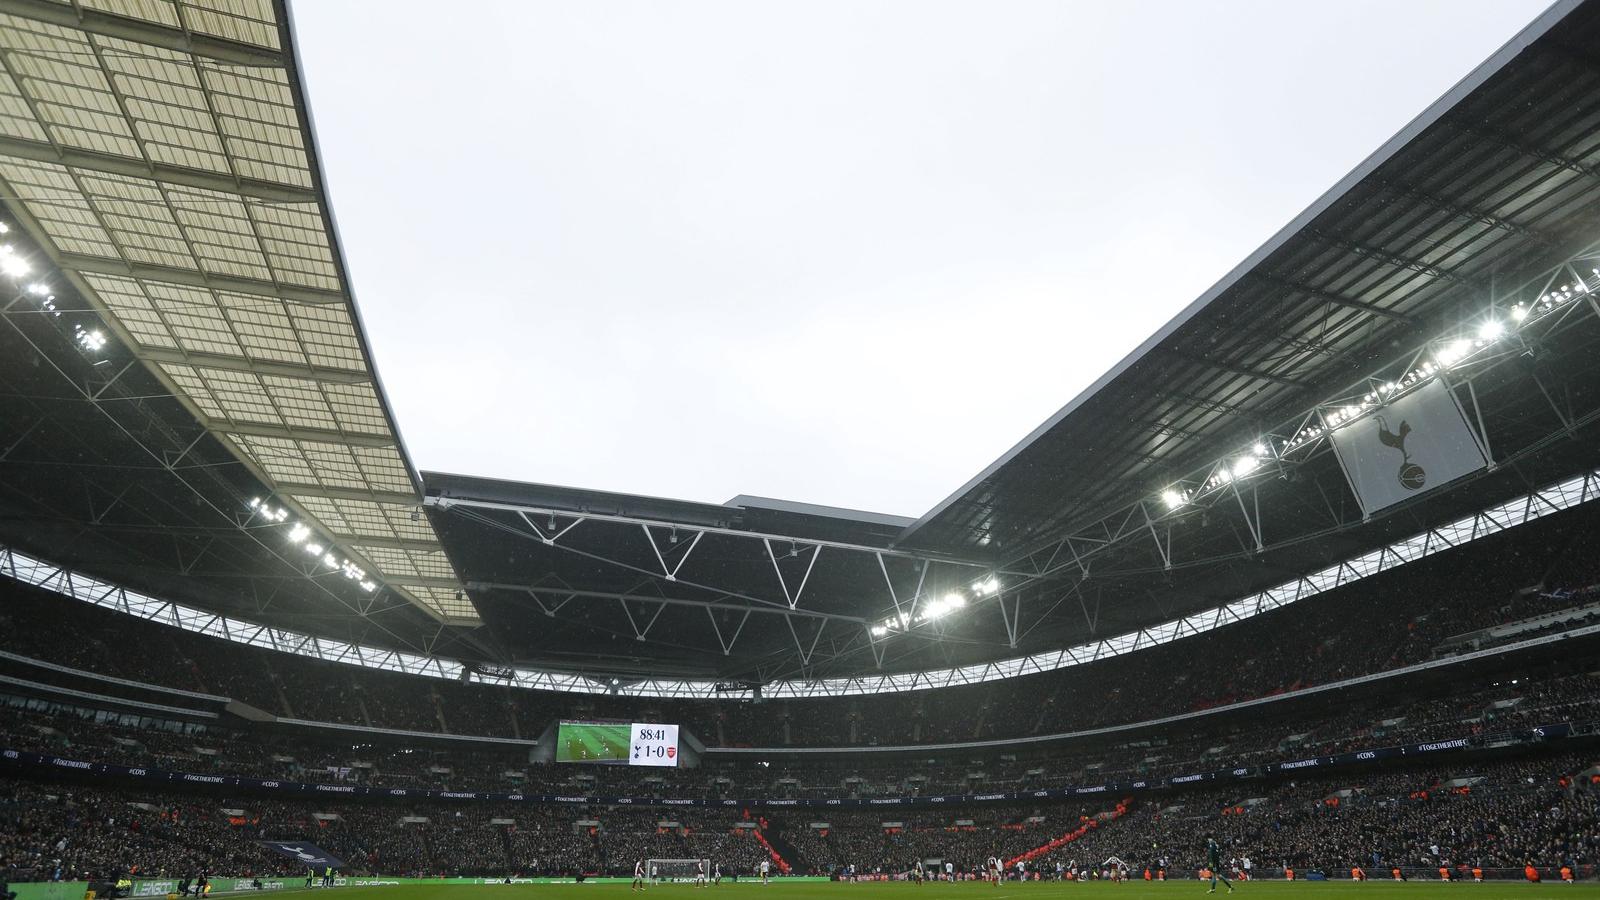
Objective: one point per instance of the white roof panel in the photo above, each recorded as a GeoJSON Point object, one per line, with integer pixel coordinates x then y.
{"type": "Point", "coordinates": [158, 155]}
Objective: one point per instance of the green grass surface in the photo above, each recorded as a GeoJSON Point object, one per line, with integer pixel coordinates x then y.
{"type": "Point", "coordinates": [1257, 890]}
{"type": "Point", "coordinates": [593, 742]}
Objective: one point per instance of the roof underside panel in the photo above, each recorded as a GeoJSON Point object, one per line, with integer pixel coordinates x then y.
{"type": "Point", "coordinates": [1499, 177]}
{"type": "Point", "coordinates": [158, 152]}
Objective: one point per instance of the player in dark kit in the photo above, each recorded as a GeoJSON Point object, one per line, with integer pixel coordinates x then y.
{"type": "Point", "coordinates": [1214, 863]}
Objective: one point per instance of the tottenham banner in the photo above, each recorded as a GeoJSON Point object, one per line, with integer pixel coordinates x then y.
{"type": "Point", "coordinates": [1407, 447]}
{"type": "Point", "coordinates": [309, 855]}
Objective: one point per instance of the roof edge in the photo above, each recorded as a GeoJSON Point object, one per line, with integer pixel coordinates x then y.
{"type": "Point", "coordinates": [1435, 111]}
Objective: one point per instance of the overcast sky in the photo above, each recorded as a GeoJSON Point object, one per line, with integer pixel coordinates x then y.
{"type": "Point", "coordinates": [836, 252]}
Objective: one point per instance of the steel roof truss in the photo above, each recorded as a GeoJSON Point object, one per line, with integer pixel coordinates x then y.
{"type": "Point", "coordinates": [671, 572]}
{"type": "Point", "coordinates": [791, 596]}
{"type": "Point", "coordinates": [727, 645]}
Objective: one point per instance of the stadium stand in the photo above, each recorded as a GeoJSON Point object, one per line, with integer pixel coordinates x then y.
{"type": "Point", "coordinates": [1495, 815]}
{"type": "Point", "coordinates": [232, 613]}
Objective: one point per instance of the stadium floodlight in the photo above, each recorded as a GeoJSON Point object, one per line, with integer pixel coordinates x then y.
{"type": "Point", "coordinates": [1260, 449]}
{"type": "Point", "coordinates": [986, 587]}
{"type": "Point", "coordinates": [1173, 499]}
{"type": "Point", "coordinates": [330, 561]}
{"type": "Point", "coordinates": [11, 263]}
{"type": "Point", "coordinates": [4, 228]}
{"type": "Point", "coordinates": [1492, 329]}
{"type": "Point", "coordinates": [368, 586]}
{"type": "Point", "coordinates": [315, 549]}
{"type": "Point", "coordinates": [1519, 312]}
{"type": "Point", "coordinates": [39, 289]}
{"type": "Point", "coordinates": [880, 630]}
{"type": "Point", "coordinates": [299, 532]}
{"type": "Point", "coordinates": [1452, 353]}
{"type": "Point", "coordinates": [88, 339]}
{"type": "Point", "coordinates": [1244, 465]}
{"type": "Point", "coordinates": [255, 502]}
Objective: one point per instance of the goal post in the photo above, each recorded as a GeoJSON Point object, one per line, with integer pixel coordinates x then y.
{"type": "Point", "coordinates": [677, 870]}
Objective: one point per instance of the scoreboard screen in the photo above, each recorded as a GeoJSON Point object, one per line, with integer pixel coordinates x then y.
{"type": "Point", "coordinates": [617, 743]}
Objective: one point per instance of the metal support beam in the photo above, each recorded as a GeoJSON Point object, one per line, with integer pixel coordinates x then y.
{"type": "Point", "coordinates": [1237, 369]}
{"type": "Point", "coordinates": [727, 645]}
{"type": "Point", "coordinates": [447, 503]}
{"type": "Point", "coordinates": [724, 604]}
{"type": "Point", "coordinates": [640, 633]}
{"type": "Point", "coordinates": [671, 572]}
{"type": "Point", "coordinates": [792, 596]}
{"type": "Point", "coordinates": [1331, 297]}
{"type": "Point", "coordinates": [1010, 616]}
{"type": "Point", "coordinates": [1384, 256]}
{"type": "Point", "coordinates": [1252, 522]}
{"type": "Point", "coordinates": [299, 433]}
{"type": "Point", "coordinates": [253, 366]}
{"type": "Point", "coordinates": [806, 653]}
{"type": "Point", "coordinates": [338, 493]}
{"type": "Point", "coordinates": [110, 163]}
{"type": "Point", "coordinates": [1162, 547]}
{"type": "Point", "coordinates": [388, 543]}
{"type": "Point", "coordinates": [101, 265]}
{"type": "Point", "coordinates": [549, 535]}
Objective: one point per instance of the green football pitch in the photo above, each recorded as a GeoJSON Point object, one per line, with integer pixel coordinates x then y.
{"type": "Point", "coordinates": [1171, 890]}
{"type": "Point", "coordinates": [593, 742]}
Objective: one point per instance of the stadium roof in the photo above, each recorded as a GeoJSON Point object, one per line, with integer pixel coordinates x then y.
{"type": "Point", "coordinates": [161, 154]}
{"type": "Point", "coordinates": [1496, 177]}
{"type": "Point", "coordinates": [159, 157]}
{"type": "Point", "coordinates": [1468, 209]}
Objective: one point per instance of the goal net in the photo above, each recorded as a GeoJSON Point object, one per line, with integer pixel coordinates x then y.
{"type": "Point", "coordinates": [677, 870]}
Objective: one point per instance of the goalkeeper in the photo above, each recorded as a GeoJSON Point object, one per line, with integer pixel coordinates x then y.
{"type": "Point", "coordinates": [1214, 863]}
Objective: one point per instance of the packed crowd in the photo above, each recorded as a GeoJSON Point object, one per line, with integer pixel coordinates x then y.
{"type": "Point", "coordinates": [62, 832]}
{"type": "Point", "coordinates": [1507, 705]}
{"type": "Point", "coordinates": [1539, 811]}
{"type": "Point", "coordinates": [1502, 812]}
{"type": "Point", "coordinates": [1383, 622]}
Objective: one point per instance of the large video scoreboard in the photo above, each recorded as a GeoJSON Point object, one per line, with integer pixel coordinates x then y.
{"type": "Point", "coordinates": [617, 743]}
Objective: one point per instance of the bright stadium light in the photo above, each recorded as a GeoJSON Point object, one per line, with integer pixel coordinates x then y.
{"type": "Point", "coordinates": [89, 339]}
{"type": "Point", "coordinates": [315, 549]}
{"type": "Point", "coordinates": [1454, 352]}
{"type": "Point", "coordinates": [1491, 329]}
{"type": "Point", "coordinates": [879, 630]}
{"type": "Point", "coordinates": [299, 532]}
{"type": "Point", "coordinates": [11, 263]}
{"type": "Point", "coordinates": [39, 289]}
{"type": "Point", "coordinates": [1172, 498]}
{"type": "Point", "coordinates": [1519, 312]}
